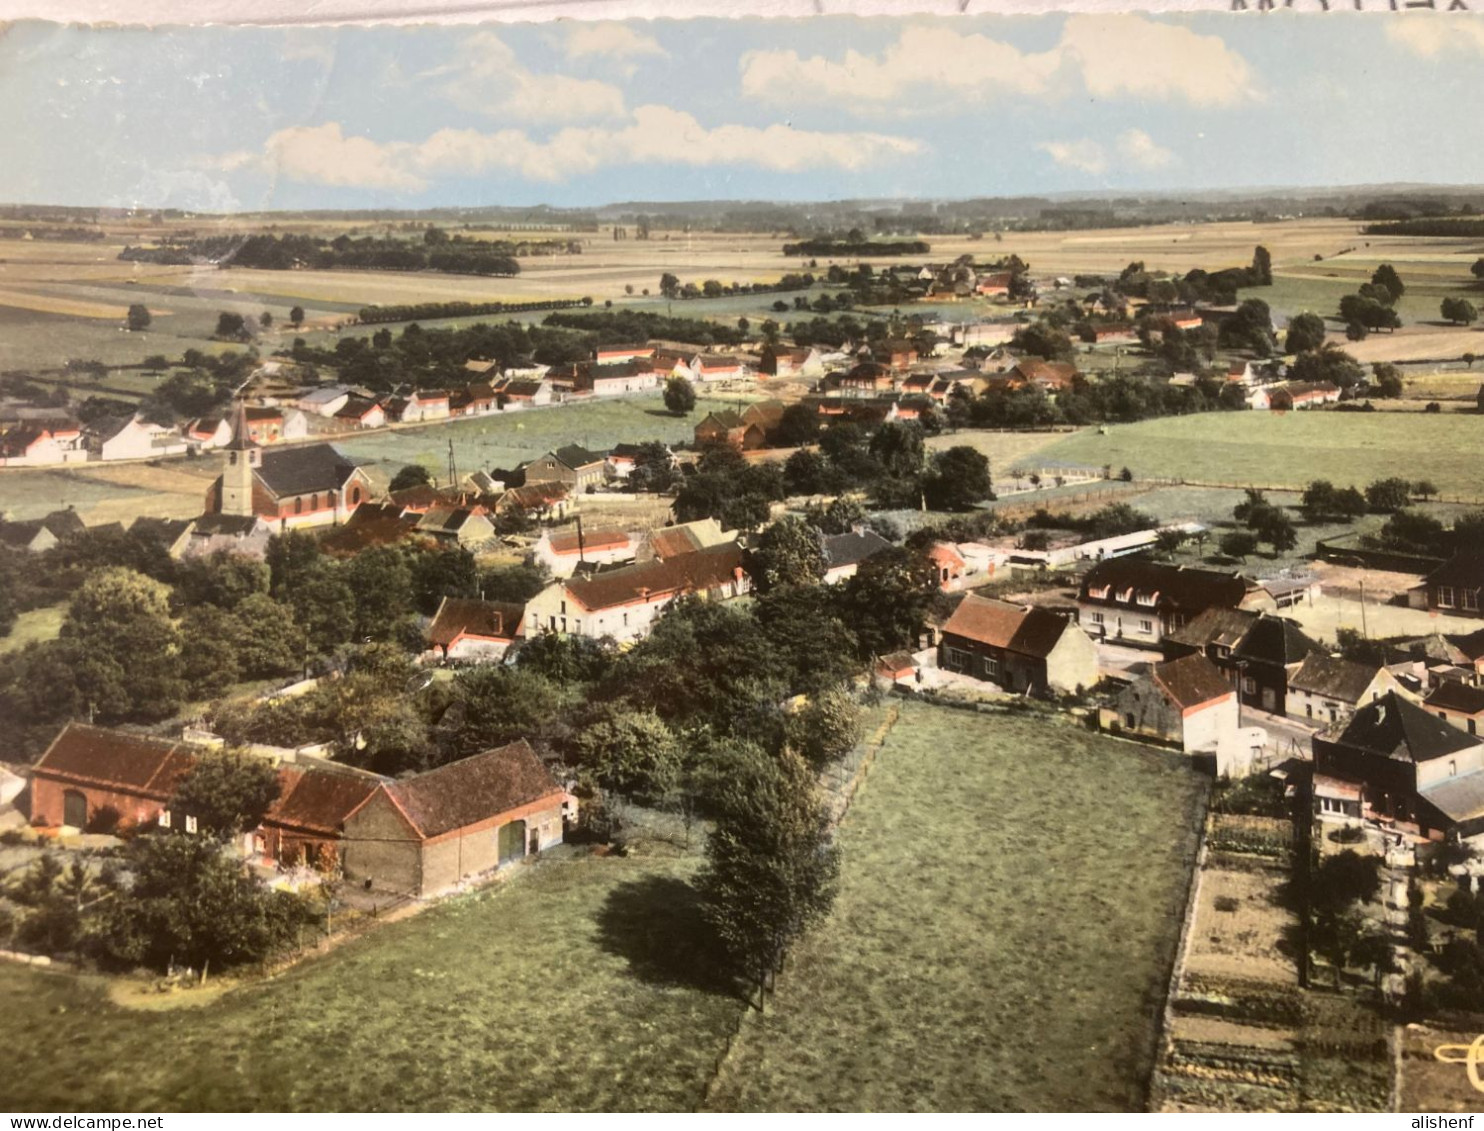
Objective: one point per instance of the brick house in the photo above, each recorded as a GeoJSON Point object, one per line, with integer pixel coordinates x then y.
{"type": "Point", "coordinates": [1327, 688]}
{"type": "Point", "coordinates": [1412, 772]}
{"type": "Point", "coordinates": [1455, 586]}
{"type": "Point", "coordinates": [1460, 704]}
{"type": "Point", "coordinates": [574, 466]}
{"type": "Point", "coordinates": [436, 829]}
{"type": "Point", "coordinates": [624, 603]}
{"type": "Point", "coordinates": [467, 629]}
{"type": "Point", "coordinates": [92, 777]}
{"type": "Point", "coordinates": [1187, 702]}
{"type": "Point", "coordinates": [1142, 601]}
{"type": "Point", "coordinates": [1021, 648]}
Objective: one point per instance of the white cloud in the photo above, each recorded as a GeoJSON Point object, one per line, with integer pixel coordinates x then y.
{"type": "Point", "coordinates": [1114, 56]}
{"type": "Point", "coordinates": [1143, 58]}
{"type": "Point", "coordinates": [1084, 155]}
{"type": "Point", "coordinates": [1131, 149]}
{"type": "Point", "coordinates": [486, 76]}
{"type": "Point", "coordinates": [1138, 148]}
{"type": "Point", "coordinates": [323, 155]}
{"type": "Point", "coordinates": [1429, 38]}
{"type": "Point", "coordinates": [654, 135]}
{"type": "Point", "coordinates": [925, 58]}
{"type": "Point", "coordinates": [609, 41]}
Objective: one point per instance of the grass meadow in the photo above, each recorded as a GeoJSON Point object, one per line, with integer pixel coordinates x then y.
{"type": "Point", "coordinates": [1288, 449]}
{"type": "Point", "coordinates": [992, 947]}
{"type": "Point", "coordinates": [530, 996]}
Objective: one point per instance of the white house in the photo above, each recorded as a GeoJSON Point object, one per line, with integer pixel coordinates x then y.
{"type": "Point", "coordinates": [561, 551]}
{"type": "Point", "coordinates": [1186, 701]}
{"type": "Point", "coordinates": [134, 438]}
{"type": "Point", "coordinates": [324, 402]}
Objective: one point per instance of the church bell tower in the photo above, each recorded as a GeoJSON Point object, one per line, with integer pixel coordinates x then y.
{"type": "Point", "coordinates": [243, 458]}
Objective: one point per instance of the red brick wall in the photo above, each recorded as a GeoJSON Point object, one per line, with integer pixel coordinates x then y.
{"type": "Point", "coordinates": [47, 803]}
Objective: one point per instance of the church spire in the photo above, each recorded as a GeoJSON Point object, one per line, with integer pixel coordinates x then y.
{"type": "Point", "coordinates": [244, 457]}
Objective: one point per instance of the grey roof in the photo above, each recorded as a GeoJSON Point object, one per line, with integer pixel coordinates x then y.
{"type": "Point", "coordinates": [1457, 798]}
{"type": "Point", "coordinates": [1275, 640]}
{"type": "Point", "coordinates": [1396, 728]}
{"type": "Point", "coordinates": [297, 471]}
{"type": "Point", "coordinates": [1333, 677]}
{"type": "Point", "coordinates": [1453, 695]}
{"type": "Point", "coordinates": [575, 456]}
{"type": "Point", "coordinates": [235, 524]}
{"type": "Point", "coordinates": [853, 548]}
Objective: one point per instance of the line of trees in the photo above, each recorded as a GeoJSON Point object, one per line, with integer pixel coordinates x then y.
{"type": "Point", "coordinates": [271, 252]}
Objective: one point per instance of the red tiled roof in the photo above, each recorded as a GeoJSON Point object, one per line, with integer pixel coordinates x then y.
{"type": "Point", "coordinates": [566, 543]}
{"type": "Point", "coordinates": [318, 800]}
{"type": "Point", "coordinates": [1191, 680]}
{"type": "Point", "coordinates": [115, 759]}
{"type": "Point", "coordinates": [1031, 631]}
{"type": "Point", "coordinates": [672, 542]}
{"type": "Point", "coordinates": [473, 789]}
{"type": "Point", "coordinates": [699, 571]}
{"type": "Point", "coordinates": [465, 616]}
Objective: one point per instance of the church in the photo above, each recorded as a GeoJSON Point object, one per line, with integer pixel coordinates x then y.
{"type": "Point", "coordinates": [285, 488]}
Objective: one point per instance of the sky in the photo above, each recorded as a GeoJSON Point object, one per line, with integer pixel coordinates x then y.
{"type": "Point", "coordinates": [581, 114]}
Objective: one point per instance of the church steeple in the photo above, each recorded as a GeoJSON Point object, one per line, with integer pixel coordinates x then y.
{"type": "Point", "coordinates": [243, 458]}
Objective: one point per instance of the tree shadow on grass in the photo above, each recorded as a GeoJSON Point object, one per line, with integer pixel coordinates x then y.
{"type": "Point", "coordinates": [655, 923]}
{"type": "Point", "coordinates": [662, 413]}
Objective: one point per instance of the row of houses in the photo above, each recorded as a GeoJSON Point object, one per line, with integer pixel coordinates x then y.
{"type": "Point", "coordinates": [411, 836]}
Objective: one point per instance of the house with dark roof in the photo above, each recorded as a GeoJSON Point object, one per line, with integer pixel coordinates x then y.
{"type": "Point", "coordinates": [843, 553]}
{"type": "Point", "coordinates": [467, 629]}
{"type": "Point", "coordinates": [1328, 688]}
{"type": "Point", "coordinates": [312, 485]}
{"type": "Point", "coordinates": [40, 534]}
{"type": "Point", "coordinates": [1139, 601]}
{"type": "Point", "coordinates": [172, 534]}
{"type": "Point", "coordinates": [624, 603]}
{"type": "Point", "coordinates": [370, 524]}
{"type": "Point", "coordinates": [462, 526]}
{"type": "Point", "coordinates": [1415, 774]}
{"type": "Point", "coordinates": [429, 832]}
{"type": "Point", "coordinates": [572, 465]}
{"type": "Point", "coordinates": [1455, 587]}
{"type": "Point", "coordinates": [726, 426]}
{"type": "Point", "coordinates": [1019, 647]}
{"type": "Point", "coordinates": [361, 412]}
{"type": "Point", "coordinates": [1258, 651]}
{"type": "Point", "coordinates": [1187, 702]}
{"type": "Point", "coordinates": [1461, 704]}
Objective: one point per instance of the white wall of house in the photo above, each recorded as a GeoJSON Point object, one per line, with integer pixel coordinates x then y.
{"type": "Point", "coordinates": [556, 610]}
{"type": "Point", "coordinates": [1304, 704]}
{"type": "Point", "coordinates": [1436, 770]}
{"type": "Point", "coordinates": [1204, 726]}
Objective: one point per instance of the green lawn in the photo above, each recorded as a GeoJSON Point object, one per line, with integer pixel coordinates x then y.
{"type": "Point", "coordinates": [29, 627]}
{"type": "Point", "coordinates": [1288, 449]}
{"type": "Point", "coordinates": [505, 440]}
{"type": "Point", "coordinates": [1011, 895]}
{"type": "Point", "coordinates": [552, 993]}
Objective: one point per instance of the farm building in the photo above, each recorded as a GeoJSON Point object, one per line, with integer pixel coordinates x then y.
{"type": "Point", "coordinates": [29, 443]}
{"type": "Point", "coordinates": [1461, 704]}
{"type": "Point", "coordinates": [429, 832]}
{"type": "Point", "coordinates": [573, 466]}
{"type": "Point", "coordinates": [624, 603]}
{"type": "Point", "coordinates": [1188, 702]}
{"type": "Point", "coordinates": [467, 629]}
{"type": "Point", "coordinates": [461, 526]}
{"type": "Point", "coordinates": [361, 412]}
{"type": "Point", "coordinates": [562, 551]}
{"type": "Point", "coordinates": [40, 534]}
{"type": "Point", "coordinates": [1455, 586]}
{"type": "Point", "coordinates": [1327, 688]}
{"type": "Point", "coordinates": [1021, 648]}
{"type": "Point", "coordinates": [323, 402]}
{"type": "Point", "coordinates": [688, 537]}
{"type": "Point", "coordinates": [844, 553]}
{"type": "Point", "coordinates": [1395, 763]}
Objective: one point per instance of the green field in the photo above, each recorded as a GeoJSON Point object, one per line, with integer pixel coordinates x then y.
{"type": "Point", "coordinates": [33, 626]}
{"type": "Point", "coordinates": [993, 946]}
{"type": "Point", "coordinates": [505, 440]}
{"type": "Point", "coordinates": [519, 998]}
{"type": "Point", "coordinates": [1289, 449]}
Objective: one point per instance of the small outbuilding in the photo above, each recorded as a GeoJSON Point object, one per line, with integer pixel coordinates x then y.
{"type": "Point", "coordinates": [1187, 702]}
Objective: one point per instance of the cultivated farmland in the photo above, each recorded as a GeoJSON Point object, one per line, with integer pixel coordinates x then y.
{"type": "Point", "coordinates": [990, 948]}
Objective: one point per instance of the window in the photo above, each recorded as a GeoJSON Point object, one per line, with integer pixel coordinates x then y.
{"type": "Point", "coordinates": [1452, 768]}
{"type": "Point", "coordinates": [299, 505]}
{"type": "Point", "coordinates": [164, 821]}
{"type": "Point", "coordinates": [1097, 618]}
{"type": "Point", "coordinates": [1445, 596]}
{"type": "Point", "coordinates": [958, 659]}
{"type": "Point", "coordinates": [626, 620]}
{"type": "Point", "coordinates": [1146, 626]}
{"type": "Point", "coordinates": [991, 666]}
{"type": "Point", "coordinates": [1471, 600]}
{"type": "Point", "coordinates": [1309, 710]}
{"type": "Point", "coordinates": [190, 824]}
{"type": "Point", "coordinates": [355, 497]}
{"type": "Point", "coordinates": [1249, 685]}
{"type": "Point", "coordinates": [1472, 726]}
{"type": "Point", "coordinates": [564, 606]}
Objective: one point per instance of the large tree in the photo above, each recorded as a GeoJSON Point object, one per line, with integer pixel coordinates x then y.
{"type": "Point", "coordinates": [680, 396]}
{"type": "Point", "coordinates": [1305, 332]}
{"type": "Point", "coordinates": [410, 475]}
{"type": "Point", "coordinates": [958, 479]}
{"type": "Point", "coordinates": [788, 553]}
{"type": "Point", "coordinates": [139, 316]}
{"type": "Point", "coordinates": [228, 792]}
{"type": "Point", "coordinates": [128, 646]}
{"type": "Point", "coordinates": [771, 868]}
{"type": "Point", "coordinates": [1385, 276]}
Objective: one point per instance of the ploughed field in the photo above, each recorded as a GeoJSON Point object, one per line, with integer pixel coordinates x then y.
{"type": "Point", "coordinates": [1010, 899]}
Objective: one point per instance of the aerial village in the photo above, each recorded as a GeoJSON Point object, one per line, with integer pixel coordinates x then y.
{"type": "Point", "coordinates": [368, 688]}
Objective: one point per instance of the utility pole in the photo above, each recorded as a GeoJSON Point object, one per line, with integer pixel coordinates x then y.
{"type": "Point", "coordinates": [453, 469]}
